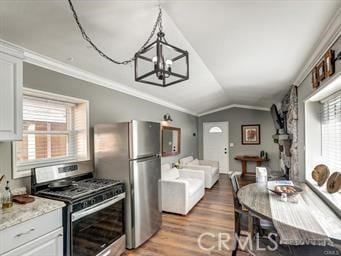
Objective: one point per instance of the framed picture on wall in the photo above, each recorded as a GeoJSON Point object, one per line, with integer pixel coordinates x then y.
{"type": "Point", "coordinates": [321, 71]}
{"type": "Point", "coordinates": [251, 134]}
{"type": "Point", "coordinates": [314, 78]}
{"type": "Point", "coordinates": [329, 63]}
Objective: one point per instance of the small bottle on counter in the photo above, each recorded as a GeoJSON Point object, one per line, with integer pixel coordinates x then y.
{"type": "Point", "coordinates": [284, 197]}
{"type": "Point", "coordinates": [7, 197]}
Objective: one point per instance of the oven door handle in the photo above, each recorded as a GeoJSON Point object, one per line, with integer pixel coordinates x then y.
{"type": "Point", "coordinates": [96, 208]}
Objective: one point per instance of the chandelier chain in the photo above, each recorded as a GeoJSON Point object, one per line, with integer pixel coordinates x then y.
{"type": "Point", "coordinates": [158, 23]}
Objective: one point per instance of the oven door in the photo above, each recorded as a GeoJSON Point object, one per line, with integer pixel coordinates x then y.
{"type": "Point", "coordinates": [95, 228]}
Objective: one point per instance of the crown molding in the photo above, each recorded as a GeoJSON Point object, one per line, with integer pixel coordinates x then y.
{"type": "Point", "coordinates": [234, 106]}
{"type": "Point", "coordinates": [61, 67]}
{"type": "Point", "coordinates": [328, 37]}
{"type": "Point", "coordinates": [11, 49]}
{"type": "Point", "coordinates": [67, 69]}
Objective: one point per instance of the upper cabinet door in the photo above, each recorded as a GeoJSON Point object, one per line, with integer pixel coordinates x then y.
{"type": "Point", "coordinates": [11, 83]}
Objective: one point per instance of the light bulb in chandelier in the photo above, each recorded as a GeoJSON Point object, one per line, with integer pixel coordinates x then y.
{"type": "Point", "coordinates": [159, 66]}
{"type": "Point", "coordinates": [169, 63]}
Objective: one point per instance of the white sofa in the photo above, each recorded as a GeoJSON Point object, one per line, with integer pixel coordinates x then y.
{"type": "Point", "coordinates": [181, 189]}
{"type": "Point", "coordinates": [211, 169]}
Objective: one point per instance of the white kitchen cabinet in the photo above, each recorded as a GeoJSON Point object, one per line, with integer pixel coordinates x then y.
{"type": "Point", "coordinates": [39, 236]}
{"type": "Point", "coordinates": [11, 83]}
{"type": "Point", "coordinates": [50, 244]}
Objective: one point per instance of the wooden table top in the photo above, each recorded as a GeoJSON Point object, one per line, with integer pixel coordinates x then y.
{"type": "Point", "coordinates": [250, 158]}
{"type": "Point", "coordinates": [255, 197]}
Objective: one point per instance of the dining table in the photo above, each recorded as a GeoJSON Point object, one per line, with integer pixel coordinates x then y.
{"type": "Point", "coordinates": [301, 220]}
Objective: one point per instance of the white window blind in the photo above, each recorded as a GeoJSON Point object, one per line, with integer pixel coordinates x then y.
{"type": "Point", "coordinates": [54, 131]}
{"type": "Point", "coordinates": [331, 131]}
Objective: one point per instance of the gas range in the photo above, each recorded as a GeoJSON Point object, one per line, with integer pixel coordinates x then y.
{"type": "Point", "coordinates": [81, 188]}
{"type": "Point", "coordinates": [93, 219]}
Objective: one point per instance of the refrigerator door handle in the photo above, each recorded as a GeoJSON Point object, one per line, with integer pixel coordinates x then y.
{"type": "Point", "coordinates": [160, 199]}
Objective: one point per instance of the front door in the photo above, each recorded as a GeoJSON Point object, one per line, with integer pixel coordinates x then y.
{"type": "Point", "coordinates": [216, 142]}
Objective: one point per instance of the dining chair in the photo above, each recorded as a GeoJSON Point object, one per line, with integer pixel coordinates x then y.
{"type": "Point", "coordinates": [265, 225]}
{"type": "Point", "coordinates": [242, 216]}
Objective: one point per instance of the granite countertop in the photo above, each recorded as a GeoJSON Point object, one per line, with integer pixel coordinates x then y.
{"type": "Point", "coordinates": [22, 212]}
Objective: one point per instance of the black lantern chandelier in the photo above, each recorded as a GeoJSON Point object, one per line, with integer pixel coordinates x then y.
{"type": "Point", "coordinates": [157, 63]}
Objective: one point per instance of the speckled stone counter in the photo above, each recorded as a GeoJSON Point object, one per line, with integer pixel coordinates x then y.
{"type": "Point", "coordinates": [22, 212]}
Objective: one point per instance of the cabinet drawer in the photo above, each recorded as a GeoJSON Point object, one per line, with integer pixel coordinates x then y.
{"type": "Point", "coordinates": [50, 244]}
{"type": "Point", "coordinates": [29, 230]}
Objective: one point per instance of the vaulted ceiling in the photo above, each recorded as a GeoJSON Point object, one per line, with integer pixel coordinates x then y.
{"type": "Point", "coordinates": [241, 52]}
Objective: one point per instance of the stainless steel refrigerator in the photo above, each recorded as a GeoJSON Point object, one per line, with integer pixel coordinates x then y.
{"type": "Point", "coordinates": [130, 152]}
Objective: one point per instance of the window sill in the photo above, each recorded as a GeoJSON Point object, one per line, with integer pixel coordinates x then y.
{"type": "Point", "coordinates": [25, 170]}
{"type": "Point", "coordinates": [332, 200]}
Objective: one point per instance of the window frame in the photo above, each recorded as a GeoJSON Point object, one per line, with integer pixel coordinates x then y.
{"type": "Point", "coordinates": [25, 170]}
{"type": "Point", "coordinates": [313, 138]}
{"type": "Point", "coordinates": [215, 129]}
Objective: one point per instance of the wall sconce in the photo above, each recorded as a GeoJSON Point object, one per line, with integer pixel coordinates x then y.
{"type": "Point", "coordinates": [166, 119]}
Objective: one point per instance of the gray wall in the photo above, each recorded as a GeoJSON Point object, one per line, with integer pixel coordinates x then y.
{"type": "Point", "coordinates": [106, 106]}
{"type": "Point", "coordinates": [304, 91]}
{"type": "Point", "coordinates": [236, 118]}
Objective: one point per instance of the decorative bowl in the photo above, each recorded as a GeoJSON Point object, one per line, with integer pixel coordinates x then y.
{"type": "Point", "coordinates": [289, 190]}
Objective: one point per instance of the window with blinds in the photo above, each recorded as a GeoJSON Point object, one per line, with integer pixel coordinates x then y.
{"type": "Point", "coordinates": [54, 131]}
{"type": "Point", "coordinates": [331, 131]}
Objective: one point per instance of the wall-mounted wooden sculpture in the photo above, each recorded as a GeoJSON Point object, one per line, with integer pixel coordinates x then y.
{"type": "Point", "coordinates": [320, 174]}
{"type": "Point", "coordinates": [334, 183]}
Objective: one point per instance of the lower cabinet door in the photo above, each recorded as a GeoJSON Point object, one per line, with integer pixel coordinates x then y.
{"type": "Point", "coordinates": [50, 244]}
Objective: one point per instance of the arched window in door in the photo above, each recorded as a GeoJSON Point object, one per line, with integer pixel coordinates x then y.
{"type": "Point", "coordinates": [215, 129]}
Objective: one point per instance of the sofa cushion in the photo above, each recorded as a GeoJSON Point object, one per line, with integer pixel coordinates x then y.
{"type": "Point", "coordinates": [165, 167]}
{"type": "Point", "coordinates": [186, 160]}
{"type": "Point", "coordinates": [194, 185]}
{"type": "Point", "coordinates": [169, 174]}
{"type": "Point", "coordinates": [194, 162]}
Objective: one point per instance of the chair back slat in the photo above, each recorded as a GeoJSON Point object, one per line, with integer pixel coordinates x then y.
{"type": "Point", "coordinates": [235, 188]}
{"type": "Point", "coordinates": [235, 183]}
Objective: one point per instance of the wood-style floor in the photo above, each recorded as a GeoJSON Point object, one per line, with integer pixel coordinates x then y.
{"type": "Point", "coordinates": [178, 236]}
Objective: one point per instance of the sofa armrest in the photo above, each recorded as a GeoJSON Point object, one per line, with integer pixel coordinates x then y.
{"type": "Point", "coordinates": [210, 163]}
{"type": "Point", "coordinates": [189, 173]}
{"type": "Point", "coordinates": [174, 196]}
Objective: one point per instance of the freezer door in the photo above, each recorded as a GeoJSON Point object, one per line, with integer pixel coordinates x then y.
{"type": "Point", "coordinates": [144, 139]}
{"type": "Point", "coordinates": [146, 189]}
